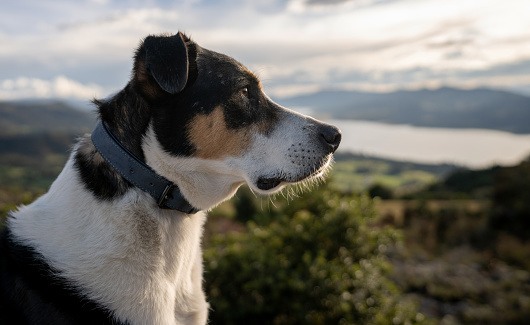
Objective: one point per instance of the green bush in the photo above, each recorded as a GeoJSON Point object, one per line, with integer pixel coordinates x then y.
{"type": "Point", "coordinates": [511, 204]}
{"type": "Point", "coordinates": [379, 190]}
{"type": "Point", "coordinates": [315, 260]}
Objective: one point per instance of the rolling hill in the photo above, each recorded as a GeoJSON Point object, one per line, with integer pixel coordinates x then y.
{"type": "Point", "coordinates": [35, 140]}
{"type": "Point", "coordinates": [32, 117]}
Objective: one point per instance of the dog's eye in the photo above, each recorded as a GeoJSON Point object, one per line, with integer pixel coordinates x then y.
{"type": "Point", "coordinates": [244, 91]}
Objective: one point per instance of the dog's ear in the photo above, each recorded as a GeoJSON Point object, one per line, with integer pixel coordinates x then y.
{"type": "Point", "coordinates": [166, 59]}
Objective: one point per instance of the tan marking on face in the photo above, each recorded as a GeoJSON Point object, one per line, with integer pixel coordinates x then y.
{"type": "Point", "coordinates": [214, 140]}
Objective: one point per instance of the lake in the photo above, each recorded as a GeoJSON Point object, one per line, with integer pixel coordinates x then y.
{"type": "Point", "coordinates": [475, 148]}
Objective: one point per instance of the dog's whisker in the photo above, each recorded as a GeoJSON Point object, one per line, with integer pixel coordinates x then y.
{"type": "Point", "coordinates": [252, 191]}
{"type": "Point", "coordinates": [272, 202]}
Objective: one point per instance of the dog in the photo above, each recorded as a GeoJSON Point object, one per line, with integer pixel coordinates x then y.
{"type": "Point", "coordinates": [117, 238]}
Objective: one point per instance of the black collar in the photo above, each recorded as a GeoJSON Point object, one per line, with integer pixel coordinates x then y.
{"type": "Point", "coordinates": [166, 194]}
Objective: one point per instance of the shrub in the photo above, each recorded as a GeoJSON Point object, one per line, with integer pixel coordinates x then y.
{"type": "Point", "coordinates": [379, 190]}
{"type": "Point", "coordinates": [511, 206]}
{"type": "Point", "coordinates": [316, 260]}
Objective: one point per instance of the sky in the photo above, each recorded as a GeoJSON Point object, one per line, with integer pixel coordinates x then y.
{"type": "Point", "coordinates": [83, 49]}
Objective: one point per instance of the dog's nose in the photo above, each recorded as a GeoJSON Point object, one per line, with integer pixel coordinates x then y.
{"type": "Point", "coordinates": [331, 136]}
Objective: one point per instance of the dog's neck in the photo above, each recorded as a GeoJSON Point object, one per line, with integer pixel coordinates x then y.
{"type": "Point", "coordinates": [134, 130]}
{"type": "Point", "coordinates": [166, 193]}
{"type": "Point", "coordinates": [204, 183]}
{"type": "Point", "coordinates": [128, 126]}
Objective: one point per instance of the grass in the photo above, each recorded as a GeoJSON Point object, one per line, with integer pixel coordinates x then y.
{"type": "Point", "coordinates": [353, 175]}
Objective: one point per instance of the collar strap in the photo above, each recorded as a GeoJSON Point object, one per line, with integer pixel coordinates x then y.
{"type": "Point", "coordinates": [166, 194]}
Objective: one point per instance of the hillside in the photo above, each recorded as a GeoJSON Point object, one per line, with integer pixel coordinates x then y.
{"type": "Point", "coordinates": [35, 139]}
{"type": "Point", "coordinates": [444, 107]}
{"type": "Point", "coordinates": [43, 116]}
{"type": "Point", "coordinates": [357, 173]}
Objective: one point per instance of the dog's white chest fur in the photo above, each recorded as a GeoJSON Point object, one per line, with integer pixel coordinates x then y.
{"type": "Point", "coordinates": [142, 262]}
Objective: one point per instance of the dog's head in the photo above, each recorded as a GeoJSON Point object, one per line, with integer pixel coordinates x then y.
{"type": "Point", "coordinates": [208, 126]}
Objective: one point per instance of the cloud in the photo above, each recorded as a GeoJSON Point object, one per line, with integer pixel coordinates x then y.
{"type": "Point", "coordinates": [511, 76]}
{"type": "Point", "coordinates": [100, 2]}
{"type": "Point", "coordinates": [59, 87]}
{"type": "Point", "coordinates": [295, 44]}
{"type": "Point", "coordinates": [313, 6]}
{"type": "Point", "coordinates": [94, 49]}
{"type": "Point", "coordinates": [325, 2]}
{"type": "Point", "coordinates": [102, 34]}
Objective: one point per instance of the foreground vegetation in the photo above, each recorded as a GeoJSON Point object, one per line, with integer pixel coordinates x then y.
{"type": "Point", "coordinates": [462, 261]}
{"type": "Point", "coordinates": [449, 248]}
{"type": "Point", "coordinates": [317, 260]}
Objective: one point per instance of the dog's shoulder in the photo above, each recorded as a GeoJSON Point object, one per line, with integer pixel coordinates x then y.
{"type": "Point", "coordinates": [32, 293]}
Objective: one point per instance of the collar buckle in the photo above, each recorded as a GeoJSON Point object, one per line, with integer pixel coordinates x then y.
{"type": "Point", "coordinates": [166, 195]}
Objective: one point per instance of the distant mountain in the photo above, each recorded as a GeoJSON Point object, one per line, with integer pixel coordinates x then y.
{"type": "Point", "coordinates": [444, 107]}
{"type": "Point", "coordinates": [30, 117]}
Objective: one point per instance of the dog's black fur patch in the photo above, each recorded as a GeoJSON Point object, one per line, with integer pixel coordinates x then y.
{"type": "Point", "coordinates": [32, 293]}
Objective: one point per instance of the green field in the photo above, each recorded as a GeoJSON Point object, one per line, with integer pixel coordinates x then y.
{"type": "Point", "coordinates": [356, 173]}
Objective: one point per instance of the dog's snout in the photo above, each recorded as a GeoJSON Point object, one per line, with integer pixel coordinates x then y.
{"type": "Point", "coordinates": [330, 136]}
